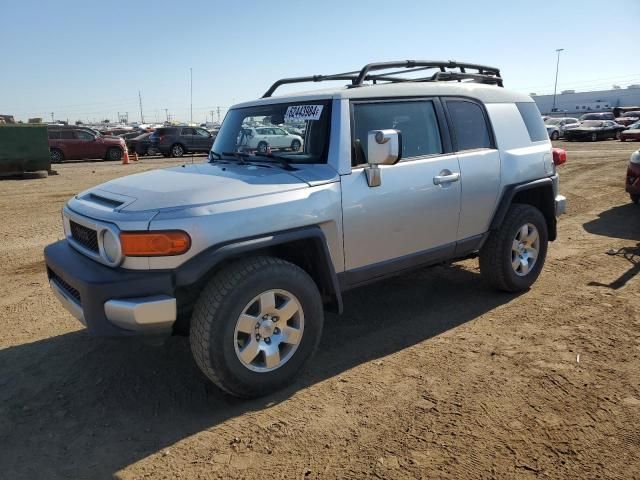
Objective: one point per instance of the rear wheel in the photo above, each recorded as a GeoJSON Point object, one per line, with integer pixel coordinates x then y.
{"type": "Point", "coordinates": [56, 155]}
{"type": "Point", "coordinates": [295, 145]}
{"type": "Point", "coordinates": [594, 137]}
{"type": "Point", "coordinates": [255, 325]}
{"type": "Point", "coordinates": [617, 135]}
{"type": "Point", "coordinates": [262, 147]}
{"type": "Point", "coordinates": [555, 135]}
{"type": "Point", "coordinates": [177, 150]}
{"type": "Point", "coordinates": [513, 256]}
{"type": "Point", "coordinates": [635, 198]}
{"type": "Point", "coordinates": [114, 154]}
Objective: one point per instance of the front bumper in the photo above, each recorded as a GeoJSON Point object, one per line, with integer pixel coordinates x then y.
{"type": "Point", "coordinates": [111, 301]}
{"type": "Point", "coordinates": [633, 179]}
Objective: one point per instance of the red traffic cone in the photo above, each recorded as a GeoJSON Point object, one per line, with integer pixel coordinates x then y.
{"type": "Point", "coordinates": [125, 159]}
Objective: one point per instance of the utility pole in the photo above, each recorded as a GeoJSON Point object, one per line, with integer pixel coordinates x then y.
{"type": "Point", "coordinates": [218, 113]}
{"type": "Point", "coordinates": [140, 99]}
{"type": "Point", "coordinates": [166, 112]}
{"type": "Point", "coordinates": [52, 117]}
{"type": "Point", "coordinates": [211, 112]}
{"type": "Point", "coordinates": [191, 82]}
{"type": "Point", "coordinates": [555, 87]}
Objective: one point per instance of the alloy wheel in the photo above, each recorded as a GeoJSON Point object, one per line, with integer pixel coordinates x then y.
{"type": "Point", "coordinates": [525, 249]}
{"type": "Point", "coordinates": [269, 330]}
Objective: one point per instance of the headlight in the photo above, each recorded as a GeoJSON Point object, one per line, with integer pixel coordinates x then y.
{"type": "Point", "coordinates": [111, 246]}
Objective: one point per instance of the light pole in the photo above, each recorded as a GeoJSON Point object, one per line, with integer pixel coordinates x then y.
{"type": "Point", "coordinates": [191, 90]}
{"type": "Point", "coordinates": [555, 86]}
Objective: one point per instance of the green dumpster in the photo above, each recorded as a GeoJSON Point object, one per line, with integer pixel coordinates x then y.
{"type": "Point", "coordinates": [24, 148]}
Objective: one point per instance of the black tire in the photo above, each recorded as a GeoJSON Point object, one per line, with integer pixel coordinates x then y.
{"type": "Point", "coordinates": [212, 333]}
{"type": "Point", "coordinates": [635, 198]}
{"type": "Point", "coordinates": [616, 136]}
{"type": "Point", "coordinates": [177, 150]}
{"type": "Point", "coordinates": [622, 139]}
{"type": "Point", "coordinates": [114, 154]}
{"type": "Point", "coordinates": [495, 255]}
{"type": "Point", "coordinates": [262, 147]}
{"type": "Point", "coordinates": [555, 135]}
{"type": "Point", "coordinates": [594, 137]}
{"type": "Point", "coordinates": [56, 155]}
{"type": "Point", "coordinates": [295, 145]}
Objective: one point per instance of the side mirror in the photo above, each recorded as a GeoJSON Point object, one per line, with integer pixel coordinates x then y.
{"type": "Point", "coordinates": [384, 147]}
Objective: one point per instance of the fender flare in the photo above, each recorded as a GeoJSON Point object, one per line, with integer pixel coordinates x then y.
{"type": "Point", "coordinates": [202, 264]}
{"type": "Point", "coordinates": [510, 192]}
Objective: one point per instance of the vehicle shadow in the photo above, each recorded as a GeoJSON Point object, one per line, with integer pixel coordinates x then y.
{"type": "Point", "coordinates": [74, 406]}
{"type": "Point", "coordinates": [620, 221]}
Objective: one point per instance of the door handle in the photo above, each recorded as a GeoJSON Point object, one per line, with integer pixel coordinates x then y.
{"type": "Point", "coordinates": [448, 177]}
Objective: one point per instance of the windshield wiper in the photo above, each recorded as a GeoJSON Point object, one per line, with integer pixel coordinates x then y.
{"type": "Point", "coordinates": [283, 161]}
{"type": "Point", "coordinates": [241, 156]}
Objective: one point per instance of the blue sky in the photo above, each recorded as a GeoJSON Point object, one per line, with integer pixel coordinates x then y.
{"type": "Point", "coordinates": [88, 59]}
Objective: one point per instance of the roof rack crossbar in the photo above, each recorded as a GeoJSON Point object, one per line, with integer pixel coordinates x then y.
{"type": "Point", "coordinates": [482, 74]}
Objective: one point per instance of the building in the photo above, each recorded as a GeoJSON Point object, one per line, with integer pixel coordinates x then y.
{"type": "Point", "coordinates": [574, 103]}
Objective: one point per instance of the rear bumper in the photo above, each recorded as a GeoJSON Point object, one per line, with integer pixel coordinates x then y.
{"type": "Point", "coordinates": [111, 301]}
{"type": "Point", "coordinates": [561, 205]}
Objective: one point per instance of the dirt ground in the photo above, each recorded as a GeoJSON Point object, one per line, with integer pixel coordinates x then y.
{"type": "Point", "coordinates": [426, 375]}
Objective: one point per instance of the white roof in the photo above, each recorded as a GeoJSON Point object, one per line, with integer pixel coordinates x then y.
{"type": "Point", "coordinates": [484, 93]}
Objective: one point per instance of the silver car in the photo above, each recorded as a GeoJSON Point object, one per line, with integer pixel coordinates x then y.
{"type": "Point", "coordinates": [245, 253]}
{"type": "Point", "coordinates": [557, 126]}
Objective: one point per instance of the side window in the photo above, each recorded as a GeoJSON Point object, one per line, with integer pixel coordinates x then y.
{"type": "Point", "coordinates": [201, 132]}
{"type": "Point", "coordinates": [188, 131]}
{"type": "Point", "coordinates": [416, 120]}
{"type": "Point", "coordinates": [470, 125]}
{"type": "Point", "coordinates": [54, 134]}
{"type": "Point", "coordinates": [531, 117]}
{"type": "Point", "coordinates": [67, 135]}
{"type": "Point", "coordinates": [82, 135]}
{"type": "Point", "coordinates": [279, 131]}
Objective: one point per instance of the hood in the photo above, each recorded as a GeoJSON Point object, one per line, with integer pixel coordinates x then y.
{"type": "Point", "coordinates": [198, 184]}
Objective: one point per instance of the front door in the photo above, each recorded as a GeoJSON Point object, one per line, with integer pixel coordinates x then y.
{"type": "Point", "coordinates": [202, 140]}
{"type": "Point", "coordinates": [412, 217]}
{"type": "Point", "coordinates": [188, 137]}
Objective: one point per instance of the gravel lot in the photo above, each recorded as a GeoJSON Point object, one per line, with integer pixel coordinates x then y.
{"type": "Point", "coordinates": [426, 375]}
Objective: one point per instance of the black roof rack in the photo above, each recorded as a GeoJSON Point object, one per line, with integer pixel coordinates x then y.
{"type": "Point", "coordinates": [478, 73]}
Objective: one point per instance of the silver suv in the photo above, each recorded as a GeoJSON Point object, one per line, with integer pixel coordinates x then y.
{"type": "Point", "coordinates": [245, 252]}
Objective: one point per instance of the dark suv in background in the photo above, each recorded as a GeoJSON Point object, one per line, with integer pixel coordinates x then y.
{"type": "Point", "coordinates": [77, 143]}
{"type": "Point", "coordinates": [176, 141]}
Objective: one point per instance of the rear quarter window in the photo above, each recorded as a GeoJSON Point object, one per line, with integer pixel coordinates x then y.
{"type": "Point", "coordinates": [533, 121]}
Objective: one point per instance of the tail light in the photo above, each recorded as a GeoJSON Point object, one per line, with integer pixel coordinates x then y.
{"type": "Point", "coordinates": [559, 156]}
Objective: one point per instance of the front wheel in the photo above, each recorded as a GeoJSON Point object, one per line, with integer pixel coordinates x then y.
{"type": "Point", "coordinates": [255, 325]}
{"type": "Point", "coordinates": [617, 135]}
{"type": "Point", "coordinates": [295, 145]}
{"type": "Point", "coordinates": [555, 135]}
{"type": "Point", "coordinates": [513, 256]}
{"type": "Point", "coordinates": [594, 137]}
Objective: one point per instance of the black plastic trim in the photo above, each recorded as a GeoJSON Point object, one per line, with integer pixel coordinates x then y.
{"type": "Point", "coordinates": [510, 192]}
{"type": "Point", "coordinates": [371, 273]}
{"type": "Point", "coordinates": [199, 266]}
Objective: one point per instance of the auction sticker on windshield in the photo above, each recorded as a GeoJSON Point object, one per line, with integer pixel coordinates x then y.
{"type": "Point", "coordinates": [301, 113]}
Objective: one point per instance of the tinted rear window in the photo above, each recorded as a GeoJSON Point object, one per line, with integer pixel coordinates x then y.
{"type": "Point", "coordinates": [533, 121]}
{"type": "Point", "coordinates": [469, 125]}
{"type": "Point", "coordinates": [165, 131]}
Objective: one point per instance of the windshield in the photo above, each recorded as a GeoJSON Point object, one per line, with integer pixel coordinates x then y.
{"type": "Point", "coordinates": [634, 126]}
{"type": "Point", "coordinates": [297, 132]}
{"type": "Point", "coordinates": [591, 123]}
{"type": "Point", "coordinates": [553, 121]}
{"type": "Point", "coordinates": [631, 114]}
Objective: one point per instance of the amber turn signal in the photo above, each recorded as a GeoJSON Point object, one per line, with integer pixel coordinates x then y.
{"type": "Point", "coordinates": [154, 244]}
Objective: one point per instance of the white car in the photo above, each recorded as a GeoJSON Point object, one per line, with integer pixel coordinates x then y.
{"type": "Point", "coordinates": [263, 138]}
